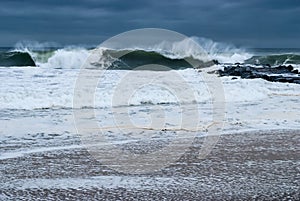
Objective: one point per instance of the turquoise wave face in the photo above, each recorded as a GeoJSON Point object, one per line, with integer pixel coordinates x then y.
{"type": "Point", "coordinates": [139, 58]}
{"type": "Point", "coordinates": [8, 59]}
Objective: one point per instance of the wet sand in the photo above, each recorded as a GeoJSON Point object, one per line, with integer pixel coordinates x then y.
{"type": "Point", "coordinates": [247, 166]}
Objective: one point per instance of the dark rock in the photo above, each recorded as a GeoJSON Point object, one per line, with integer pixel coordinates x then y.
{"type": "Point", "coordinates": [290, 67]}
{"type": "Point", "coordinates": [297, 81]}
{"type": "Point", "coordinates": [272, 74]}
{"type": "Point", "coordinates": [268, 65]}
{"type": "Point", "coordinates": [266, 77]}
{"type": "Point", "coordinates": [216, 62]}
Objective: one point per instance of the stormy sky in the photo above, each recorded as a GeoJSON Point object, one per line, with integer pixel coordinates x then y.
{"type": "Point", "coordinates": [250, 23]}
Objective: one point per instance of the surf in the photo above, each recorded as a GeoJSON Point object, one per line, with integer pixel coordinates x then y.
{"type": "Point", "coordinates": [175, 55]}
{"type": "Point", "coordinates": [180, 55]}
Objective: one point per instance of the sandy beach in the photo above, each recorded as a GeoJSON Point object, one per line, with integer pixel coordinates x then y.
{"type": "Point", "coordinates": [247, 166]}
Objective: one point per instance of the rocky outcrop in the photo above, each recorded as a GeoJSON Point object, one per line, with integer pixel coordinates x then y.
{"type": "Point", "coordinates": [273, 74]}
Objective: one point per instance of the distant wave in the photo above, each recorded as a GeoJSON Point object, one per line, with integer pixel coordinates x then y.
{"type": "Point", "coordinates": [276, 59]}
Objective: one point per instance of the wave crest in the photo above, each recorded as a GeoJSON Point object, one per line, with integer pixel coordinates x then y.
{"type": "Point", "coordinates": [176, 55]}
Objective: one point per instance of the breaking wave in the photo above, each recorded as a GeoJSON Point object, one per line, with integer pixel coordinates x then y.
{"type": "Point", "coordinates": [16, 59]}
{"type": "Point", "coordinates": [176, 55]}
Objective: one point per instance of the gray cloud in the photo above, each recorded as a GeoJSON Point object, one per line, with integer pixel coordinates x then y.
{"type": "Point", "coordinates": [257, 23]}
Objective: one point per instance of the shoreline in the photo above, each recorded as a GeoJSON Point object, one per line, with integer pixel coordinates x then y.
{"type": "Point", "coordinates": [250, 165]}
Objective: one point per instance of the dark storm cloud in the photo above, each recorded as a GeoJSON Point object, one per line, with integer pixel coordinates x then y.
{"type": "Point", "coordinates": [270, 23]}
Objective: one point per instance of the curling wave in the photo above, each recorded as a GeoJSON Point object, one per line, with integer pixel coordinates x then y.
{"type": "Point", "coordinates": [16, 59]}
{"type": "Point", "coordinates": [179, 55]}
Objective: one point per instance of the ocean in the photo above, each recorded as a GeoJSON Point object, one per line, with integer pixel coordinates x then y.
{"type": "Point", "coordinates": [141, 110]}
